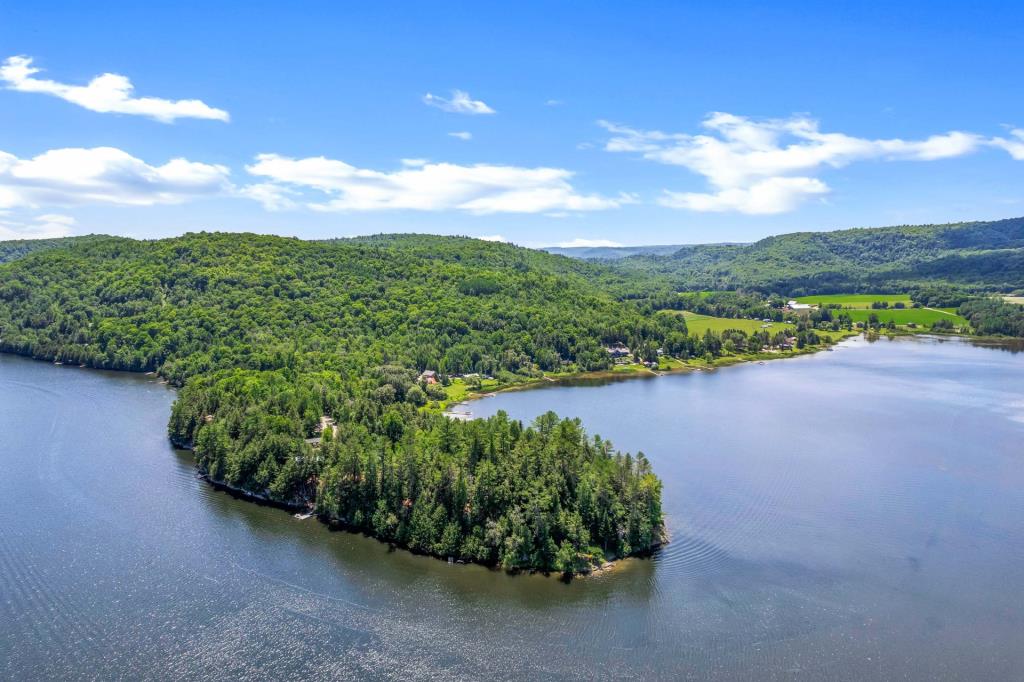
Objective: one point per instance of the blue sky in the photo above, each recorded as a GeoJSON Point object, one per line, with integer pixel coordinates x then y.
{"type": "Point", "coordinates": [627, 123]}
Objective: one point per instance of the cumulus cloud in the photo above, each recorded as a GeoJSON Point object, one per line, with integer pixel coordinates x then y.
{"type": "Point", "coordinates": [579, 242]}
{"type": "Point", "coordinates": [771, 195]}
{"type": "Point", "coordinates": [274, 197]}
{"type": "Point", "coordinates": [493, 238]}
{"type": "Point", "coordinates": [103, 175]}
{"type": "Point", "coordinates": [107, 93]}
{"type": "Point", "coordinates": [1013, 146]}
{"type": "Point", "coordinates": [462, 135]}
{"type": "Point", "coordinates": [460, 103]}
{"type": "Point", "coordinates": [769, 166]}
{"type": "Point", "coordinates": [48, 226]}
{"type": "Point", "coordinates": [478, 189]}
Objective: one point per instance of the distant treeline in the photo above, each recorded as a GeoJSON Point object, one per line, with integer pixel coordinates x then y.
{"type": "Point", "coordinates": [990, 316]}
{"type": "Point", "coordinates": [980, 256]}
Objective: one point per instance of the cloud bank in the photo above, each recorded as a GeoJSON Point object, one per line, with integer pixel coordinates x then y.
{"type": "Point", "coordinates": [478, 189]}
{"type": "Point", "coordinates": [47, 226]}
{"type": "Point", "coordinates": [107, 93]}
{"type": "Point", "coordinates": [770, 166]}
{"type": "Point", "coordinates": [104, 175]}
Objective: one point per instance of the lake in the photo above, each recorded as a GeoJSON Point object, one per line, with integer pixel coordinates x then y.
{"type": "Point", "coordinates": [857, 514]}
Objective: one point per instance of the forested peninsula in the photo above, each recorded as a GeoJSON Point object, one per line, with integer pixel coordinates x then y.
{"type": "Point", "coordinates": [314, 373]}
{"type": "Point", "coordinates": [300, 362]}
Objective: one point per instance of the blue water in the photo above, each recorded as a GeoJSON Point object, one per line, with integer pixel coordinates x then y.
{"type": "Point", "coordinates": [849, 515]}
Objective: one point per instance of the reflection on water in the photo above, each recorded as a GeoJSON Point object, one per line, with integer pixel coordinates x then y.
{"type": "Point", "coordinates": [849, 515]}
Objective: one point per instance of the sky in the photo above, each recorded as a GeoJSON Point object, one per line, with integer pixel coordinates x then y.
{"type": "Point", "coordinates": [537, 123]}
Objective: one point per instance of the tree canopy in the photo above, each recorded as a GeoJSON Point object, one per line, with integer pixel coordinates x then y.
{"type": "Point", "coordinates": [299, 364]}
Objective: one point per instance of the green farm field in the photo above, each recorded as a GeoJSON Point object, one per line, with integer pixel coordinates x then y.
{"type": "Point", "coordinates": [863, 301]}
{"type": "Point", "coordinates": [698, 324]}
{"type": "Point", "coordinates": [923, 317]}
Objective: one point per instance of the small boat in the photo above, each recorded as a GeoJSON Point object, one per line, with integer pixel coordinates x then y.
{"type": "Point", "coordinates": [304, 516]}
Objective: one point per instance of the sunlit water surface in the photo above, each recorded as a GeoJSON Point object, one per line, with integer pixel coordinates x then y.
{"type": "Point", "coordinates": [849, 515]}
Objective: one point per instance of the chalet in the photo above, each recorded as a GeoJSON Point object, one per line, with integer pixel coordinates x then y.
{"type": "Point", "coordinates": [326, 423]}
{"type": "Point", "coordinates": [428, 376]}
{"type": "Point", "coordinates": [618, 351]}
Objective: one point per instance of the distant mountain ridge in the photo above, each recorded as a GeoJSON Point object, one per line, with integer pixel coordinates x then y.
{"type": "Point", "coordinates": [982, 254]}
{"type": "Point", "coordinates": [613, 252]}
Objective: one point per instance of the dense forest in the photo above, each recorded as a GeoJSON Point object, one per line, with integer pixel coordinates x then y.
{"type": "Point", "coordinates": [300, 361]}
{"type": "Point", "coordinates": [990, 317]}
{"type": "Point", "coordinates": [19, 248]}
{"type": "Point", "coordinates": [985, 256]}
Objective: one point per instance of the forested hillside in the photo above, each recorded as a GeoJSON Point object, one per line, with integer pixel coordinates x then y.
{"type": "Point", "coordinates": [276, 341]}
{"type": "Point", "coordinates": [979, 255]}
{"type": "Point", "coordinates": [19, 248]}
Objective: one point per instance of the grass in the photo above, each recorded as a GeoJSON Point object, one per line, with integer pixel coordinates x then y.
{"type": "Point", "coordinates": [922, 317]}
{"type": "Point", "coordinates": [1019, 300]}
{"type": "Point", "coordinates": [459, 391]}
{"type": "Point", "coordinates": [697, 324]}
{"type": "Point", "coordinates": [855, 300]}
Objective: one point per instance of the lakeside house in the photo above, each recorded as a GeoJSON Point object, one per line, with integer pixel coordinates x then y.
{"type": "Point", "coordinates": [618, 350]}
{"type": "Point", "coordinates": [325, 424]}
{"type": "Point", "coordinates": [428, 376]}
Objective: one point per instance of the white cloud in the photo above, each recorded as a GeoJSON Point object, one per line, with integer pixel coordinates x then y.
{"type": "Point", "coordinates": [1013, 146]}
{"type": "Point", "coordinates": [493, 238]}
{"type": "Point", "coordinates": [771, 195]}
{"type": "Point", "coordinates": [47, 226]}
{"type": "Point", "coordinates": [763, 167]}
{"type": "Point", "coordinates": [462, 135]}
{"type": "Point", "coordinates": [107, 93]}
{"type": "Point", "coordinates": [460, 103]}
{"type": "Point", "coordinates": [478, 189]}
{"type": "Point", "coordinates": [414, 163]}
{"type": "Point", "coordinates": [584, 243]}
{"type": "Point", "coordinates": [274, 197]}
{"type": "Point", "coordinates": [554, 103]}
{"type": "Point", "coordinates": [103, 175]}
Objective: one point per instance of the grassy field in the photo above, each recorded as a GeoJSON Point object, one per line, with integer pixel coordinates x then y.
{"type": "Point", "coordinates": [855, 300]}
{"type": "Point", "coordinates": [922, 317]}
{"type": "Point", "coordinates": [1019, 300]}
{"type": "Point", "coordinates": [697, 324]}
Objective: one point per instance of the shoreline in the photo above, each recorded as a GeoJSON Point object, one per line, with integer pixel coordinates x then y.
{"type": "Point", "coordinates": [595, 569]}
{"type": "Point", "coordinates": [308, 510]}
{"type": "Point", "coordinates": [547, 380]}
{"type": "Point", "coordinates": [450, 409]}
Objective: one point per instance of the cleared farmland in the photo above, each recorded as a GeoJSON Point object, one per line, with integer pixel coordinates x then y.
{"type": "Point", "coordinates": [856, 300]}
